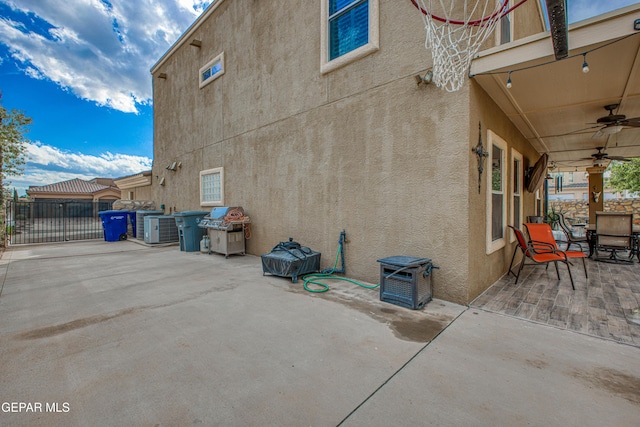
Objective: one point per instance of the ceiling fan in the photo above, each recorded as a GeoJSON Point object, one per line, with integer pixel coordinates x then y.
{"type": "Point", "coordinates": [600, 157]}
{"type": "Point", "coordinates": [613, 123]}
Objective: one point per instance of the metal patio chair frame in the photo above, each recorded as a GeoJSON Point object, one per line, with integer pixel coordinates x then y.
{"type": "Point", "coordinates": [540, 253]}
{"type": "Point", "coordinates": [614, 232]}
{"type": "Point", "coordinates": [542, 233]}
{"type": "Point", "coordinates": [570, 232]}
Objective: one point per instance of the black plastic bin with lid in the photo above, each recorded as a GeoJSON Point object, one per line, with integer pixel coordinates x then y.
{"type": "Point", "coordinates": [406, 281]}
{"type": "Point", "coordinates": [189, 233]}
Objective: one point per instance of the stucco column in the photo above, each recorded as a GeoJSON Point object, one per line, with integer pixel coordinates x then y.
{"type": "Point", "coordinates": [596, 193]}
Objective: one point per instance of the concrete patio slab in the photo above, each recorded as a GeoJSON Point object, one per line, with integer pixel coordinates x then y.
{"type": "Point", "coordinates": [492, 370]}
{"type": "Point", "coordinates": [97, 333]}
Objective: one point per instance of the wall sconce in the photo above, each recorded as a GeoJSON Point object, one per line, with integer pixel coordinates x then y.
{"type": "Point", "coordinates": [479, 151]}
{"type": "Point", "coordinates": [162, 181]}
{"type": "Point", "coordinates": [162, 75]}
{"type": "Point", "coordinates": [428, 77]}
{"type": "Point", "coordinates": [197, 43]}
{"type": "Point", "coordinates": [173, 166]}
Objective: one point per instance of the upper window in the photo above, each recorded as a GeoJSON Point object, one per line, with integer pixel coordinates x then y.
{"type": "Point", "coordinates": [504, 27]}
{"type": "Point", "coordinates": [212, 187]}
{"type": "Point", "coordinates": [211, 71]}
{"type": "Point", "coordinates": [497, 195]}
{"type": "Point", "coordinates": [349, 31]}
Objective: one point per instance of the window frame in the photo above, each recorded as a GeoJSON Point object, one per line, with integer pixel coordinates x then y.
{"type": "Point", "coordinates": [371, 46]}
{"type": "Point", "coordinates": [517, 190]}
{"type": "Point", "coordinates": [208, 66]}
{"type": "Point", "coordinates": [499, 25]}
{"type": "Point", "coordinates": [494, 245]}
{"type": "Point", "coordinates": [213, 171]}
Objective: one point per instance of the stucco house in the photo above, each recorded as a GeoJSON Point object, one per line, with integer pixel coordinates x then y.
{"type": "Point", "coordinates": [312, 130]}
{"type": "Point", "coordinates": [76, 190]}
{"type": "Point", "coordinates": [136, 186]}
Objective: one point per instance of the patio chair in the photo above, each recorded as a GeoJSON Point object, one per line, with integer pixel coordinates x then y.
{"type": "Point", "coordinates": [539, 253]}
{"type": "Point", "coordinates": [542, 233]}
{"type": "Point", "coordinates": [614, 233]}
{"type": "Point", "coordinates": [575, 235]}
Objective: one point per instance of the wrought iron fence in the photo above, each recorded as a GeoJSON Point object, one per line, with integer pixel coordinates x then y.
{"type": "Point", "coordinates": [42, 222]}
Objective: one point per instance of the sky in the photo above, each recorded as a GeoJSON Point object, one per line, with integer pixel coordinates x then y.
{"type": "Point", "coordinates": [80, 70]}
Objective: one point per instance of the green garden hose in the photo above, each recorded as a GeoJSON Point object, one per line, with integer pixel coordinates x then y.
{"type": "Point", "coordinates": [318, 279]}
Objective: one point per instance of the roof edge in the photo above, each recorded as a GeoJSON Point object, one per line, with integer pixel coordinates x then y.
{"type": "Point", "coordinates": [187, 34]}
{"type": "Point", "coordinates": [581, 34]}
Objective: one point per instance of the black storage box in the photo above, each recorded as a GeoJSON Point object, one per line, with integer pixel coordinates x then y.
{"type": "Point", "coordinates": [405, 281]}
{"type": "Point", "coordinates": [289, 259]}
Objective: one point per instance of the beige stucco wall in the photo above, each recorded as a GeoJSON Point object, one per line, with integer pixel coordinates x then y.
{"type": "Point", "coordinates": [489, 268]}
{"type": "Point", "coordinates": [362, 148]}
{"type": "Point", "coordinates": [141, 193]}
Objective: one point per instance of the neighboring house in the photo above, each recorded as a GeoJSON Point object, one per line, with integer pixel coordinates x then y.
{"type": "Point", "coordinates": [136, 186]}
{"type": "Point", "coordinates": [575, 186]}
{"type": "Point", "coordinates": [76, 190]}
{"type": "Point", "coordinates": [314, 124]}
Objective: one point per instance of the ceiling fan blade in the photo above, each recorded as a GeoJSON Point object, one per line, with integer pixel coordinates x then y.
{"type": "Point", "coordinates": [633, 122]}
{"type": "Point", "coordinates": [618, 158]}
{"type": "Point", "coordinates": [575, 132]}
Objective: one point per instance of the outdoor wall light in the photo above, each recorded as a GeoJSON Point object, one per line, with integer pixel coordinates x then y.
{"type": "Point", "coordinates": [162, 181]}
{"type": "Point", "coordinates": [162, 75]}
{"type": "Point", "coordinates": [173, 166]}
{"type": "Point", "coordinates": [197, 43]}
{"type": "Point", "coordinates": [428, 77]}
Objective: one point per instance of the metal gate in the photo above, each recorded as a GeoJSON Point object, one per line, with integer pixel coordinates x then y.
{"type": "Point", "coordinates": [42, 222]}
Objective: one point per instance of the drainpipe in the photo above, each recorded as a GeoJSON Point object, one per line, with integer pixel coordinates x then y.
{"type": "Point", "coordinates": [545, 203]}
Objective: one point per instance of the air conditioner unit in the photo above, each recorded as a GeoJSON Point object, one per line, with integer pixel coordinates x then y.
{"type": "Point", "coordinates": [140, 221]}
{"type": "Point", "coordinates": [160, 229]}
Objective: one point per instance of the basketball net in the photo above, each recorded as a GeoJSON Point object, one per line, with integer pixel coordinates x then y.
{"type": "Point", "coordinates": [455, 42]}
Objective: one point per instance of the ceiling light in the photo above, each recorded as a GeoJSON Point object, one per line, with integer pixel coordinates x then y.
{"type": "Point", "coordinates": [585, 66]}
{"type": "Point", "coordinates": [509, 81]}
{"type": "Point", "coordinates": [610, 130]}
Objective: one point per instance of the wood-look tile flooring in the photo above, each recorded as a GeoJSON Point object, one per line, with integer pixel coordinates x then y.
{"type": "Point", "coordinates": [600, 306]}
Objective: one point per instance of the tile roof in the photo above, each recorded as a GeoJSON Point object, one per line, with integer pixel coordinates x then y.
{"type": "Point", "coordinates": [76, 185]}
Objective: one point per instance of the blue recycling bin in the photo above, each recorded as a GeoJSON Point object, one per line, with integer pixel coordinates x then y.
{"type": "Point", "coordinates": [132, 220]}
{"type": "Point", "coordinates": [188, 231]}
{"type": "Point", "coordinates": [115, 225]}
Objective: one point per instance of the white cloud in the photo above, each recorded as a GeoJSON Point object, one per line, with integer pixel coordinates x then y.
{"type": "Point", "coordinates": [48, 165]}
{"type": "Point", "coordinates": [101, 50]}
{"type": "Point", "coordinates": [584, 9]}
{"type": "Point", "coordinates": [106, 164]}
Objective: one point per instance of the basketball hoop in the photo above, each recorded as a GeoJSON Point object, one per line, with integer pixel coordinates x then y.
{"type": "Point", "coordinates": [455, 42]}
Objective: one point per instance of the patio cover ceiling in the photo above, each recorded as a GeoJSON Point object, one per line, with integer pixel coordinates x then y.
{"type": "Point", "coordinates": [554, 104]}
